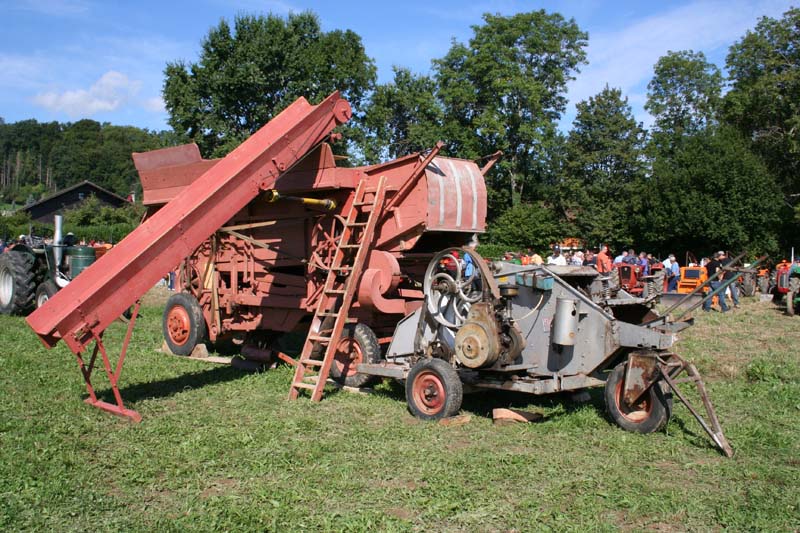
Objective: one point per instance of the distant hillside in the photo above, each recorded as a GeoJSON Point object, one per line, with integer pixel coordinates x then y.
{"type": "Point", "coordinates": [39, 158]}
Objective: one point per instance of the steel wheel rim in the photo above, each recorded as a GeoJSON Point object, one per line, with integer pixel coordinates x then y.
{"type": "Point", "coordinates": [41, 299]}
{"type": "Point", "coordinates": [178, 325]}
{"type": "Point", "coordinates": [632, 413]}
{"type": "Point", "coordinates": [348, 356]}
{"type": "Point", "coordinates": [6, 287]}
{"type": "Point", "coordinates": [428, 392]}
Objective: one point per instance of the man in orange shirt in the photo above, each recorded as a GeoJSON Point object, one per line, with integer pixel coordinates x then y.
{"type": "Point", "coordinates": [603, 260]}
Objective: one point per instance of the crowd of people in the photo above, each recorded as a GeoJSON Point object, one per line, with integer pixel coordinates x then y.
{"type": "Point", "coordinates": [602, 260]}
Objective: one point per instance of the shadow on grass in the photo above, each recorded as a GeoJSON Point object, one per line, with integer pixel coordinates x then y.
{"type": "Point", "coordinates": [481, 402]}
{"type": "Point", "coordinates": [169, 387]}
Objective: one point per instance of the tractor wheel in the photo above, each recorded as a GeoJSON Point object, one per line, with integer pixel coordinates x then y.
{"type": "Point", "coordinates": [650, 415]}
{"type": "Point", "coordinates": [790, 306]}
{"type": "Point", "coordinates": [44, 292]}
{"type": "Point", "coordinates": [763, 285]}
{"type": "Point", "coordinates": [433, 390]}
{"type": "Point", "coordinates": [17, 283]}
{"type": "Point", "coordinates": [357, 345]}
{"type": "Point", "coordinates": [183, 324]}
{"type": "Point", "coordinates": [749, 286]}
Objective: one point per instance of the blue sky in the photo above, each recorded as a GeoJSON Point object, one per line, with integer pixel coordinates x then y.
{"type": "Point", "coordinates": [71, 59]}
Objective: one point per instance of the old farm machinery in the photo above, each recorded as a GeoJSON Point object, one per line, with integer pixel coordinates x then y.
{"type": "Point", "coordinates": [276, 238]}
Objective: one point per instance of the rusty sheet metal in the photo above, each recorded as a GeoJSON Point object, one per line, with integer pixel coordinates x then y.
{"type": "Point", "coordinates": [93, 300]}
{"type": "Point", "coordinates": [640, 374]}
{"type": "Point", "coordinates": [166, 172]}
{"type": "Point", "coordinates": [456, 196]}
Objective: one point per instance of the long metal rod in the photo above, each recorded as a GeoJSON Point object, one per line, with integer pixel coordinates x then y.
{"type": "Point", "coordinates": [700, 287]}
{"type": "Point", "coordinates": [718, 290]}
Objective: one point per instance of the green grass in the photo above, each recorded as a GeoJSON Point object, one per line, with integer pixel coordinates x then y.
{"type": "Point", "coordinates": [219, 449]}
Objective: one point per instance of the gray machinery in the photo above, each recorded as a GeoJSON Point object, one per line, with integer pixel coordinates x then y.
{"type": "Point", "coordinates": [540, 330]}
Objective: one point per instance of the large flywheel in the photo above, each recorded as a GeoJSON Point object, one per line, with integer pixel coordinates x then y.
{"type": "Point", "coordinates": [453, 282]}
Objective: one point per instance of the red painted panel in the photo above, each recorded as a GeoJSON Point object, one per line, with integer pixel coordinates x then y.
{"type": "Point", "coordinates": [97, 297]}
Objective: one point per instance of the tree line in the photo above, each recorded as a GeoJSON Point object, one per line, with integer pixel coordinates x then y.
{"type": "Point", "coordinates": [716, 170]}
{"type": "Point", "coordinates": [38, 158]}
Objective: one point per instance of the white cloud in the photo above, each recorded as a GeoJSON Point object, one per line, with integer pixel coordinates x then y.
{"type": "Point", "coordinates": [108, 93]}
{"type": "Point", "coordinates": [625, 58]}
{"type": "Point", "coordinates": [154, 105]}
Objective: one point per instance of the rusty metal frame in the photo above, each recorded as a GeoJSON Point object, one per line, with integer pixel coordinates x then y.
{"type": "Point", "coordinates": [669, 371]}
{"type": "Point", "coordinates": [113, 375]}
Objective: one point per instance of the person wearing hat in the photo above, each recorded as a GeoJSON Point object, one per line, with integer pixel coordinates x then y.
{"type": "Point", "coordinates": [557, 258]}
{"type": "Point", "coordinates": [714, 271]}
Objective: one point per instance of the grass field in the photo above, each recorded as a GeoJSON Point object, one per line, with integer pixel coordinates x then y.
{"type": "Point", "coordinates": [219, 449]}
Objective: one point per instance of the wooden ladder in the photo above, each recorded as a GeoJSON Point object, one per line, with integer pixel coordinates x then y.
{"type": "Point", "coordinates": [311, 372]}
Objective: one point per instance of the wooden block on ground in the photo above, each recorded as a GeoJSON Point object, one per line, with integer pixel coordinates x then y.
{"type": "Point", "coordinates": [511, 416]}
{"type": "Point", "coordinates": [458, 420]}
{"type": "Point", "coordinates": [355, 390]}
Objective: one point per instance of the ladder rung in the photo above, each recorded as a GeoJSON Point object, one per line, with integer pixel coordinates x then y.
{"type": "Point", "coordinates": [357, 224]}
{"type": "Point", "coordinates": [319, 338]}
{"type": "Point", "coordinates": [308, 386]}
{"type": "Point", "coordinates": [335, 291]}
{"type": "Point", "coordinates": [312, 362]}
{"type": "Point", "coordinates": [349, 246]}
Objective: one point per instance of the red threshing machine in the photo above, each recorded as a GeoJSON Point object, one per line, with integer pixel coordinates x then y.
{"type": "Point", "coordinates": [275, 238]}
{"type": "Point", "coordinates": [261, 240]}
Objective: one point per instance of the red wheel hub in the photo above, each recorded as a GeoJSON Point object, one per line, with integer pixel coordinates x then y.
{"type": "Point", "coordinates": [635, 413]}
{"type": "Point", "coordinates": [348, 356]}
{"type": "Point", "coordinates": [178, 325]}
{"type": "Point", "coordinates": [428, 392]}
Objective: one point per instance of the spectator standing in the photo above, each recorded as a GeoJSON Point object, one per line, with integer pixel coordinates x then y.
{"type": "Point", "coordinates": [631, 259]}
{"type": "Point", "coordinates": [621, 258]}
{"type": "Point", "coordinates": [589, 259]}
{"type": "Point", "coordinates": [577, 259]}
{"type": "Point", "coordinates": [728, 275]}
{"type": "Point", "coordinates": [603, 260]}
{"type": "Point", "coordinates": [674, 275]}
{"type": "Point", "coordinates": [715, 273]}
{"type": "Point", "coordinates": [644, 264]}
{"type": "Point", "coordinates": [556, 258]}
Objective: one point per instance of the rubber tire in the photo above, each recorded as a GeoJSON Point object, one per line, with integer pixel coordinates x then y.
{"type": "Point", "coordinates": [749, 287]}
{"type": "Point", "coordinates": [370, 351]}
{"type": "Point", "coordinates": [661, 405]}
{"type": "Point", "coordinates": [451, 384]}
{"type": "Point", "coordinates": [23, 293]}
{"type": "Point", "coordinates": [763, 285]}
{"type": "Point", "coordinates": [197, 323]}
{"type": "Point", "coordinates": [48, 289]}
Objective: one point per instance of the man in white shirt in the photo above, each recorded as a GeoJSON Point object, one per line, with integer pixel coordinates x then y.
{"type": "Point", "coordinates": [556, 258]}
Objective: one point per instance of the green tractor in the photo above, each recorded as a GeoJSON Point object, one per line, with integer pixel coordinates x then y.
{"type": "Point", "coordinates": [31, 272]}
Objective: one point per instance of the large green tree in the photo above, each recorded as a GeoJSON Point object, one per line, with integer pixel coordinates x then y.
{"type": "Point", "coordinates": [402, 117]}
{"type": "Point", "coordinates": [764, 100]}
{"type": "Point", "coordinates": [684, 94]}
{"type": "Point", "coordinates": [249, 73]}
{"type": "Point", "coordinates": [505, 90]}
{"type": "Point", "coordinates": [712, 193]}
{"type": "Point", "coordinates": [604, 169]}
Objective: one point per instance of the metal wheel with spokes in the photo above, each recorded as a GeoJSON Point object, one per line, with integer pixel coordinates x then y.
{"type": "Point", "coordinates": [452, 284]}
